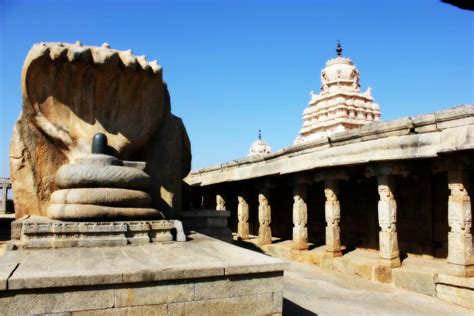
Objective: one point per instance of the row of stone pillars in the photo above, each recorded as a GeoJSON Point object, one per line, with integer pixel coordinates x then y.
{"type": "Point", "coordinates": [459, 219]}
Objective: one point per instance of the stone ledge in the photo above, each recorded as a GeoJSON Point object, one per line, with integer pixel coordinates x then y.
{"type": "Point", "coordinates": [425, 136]}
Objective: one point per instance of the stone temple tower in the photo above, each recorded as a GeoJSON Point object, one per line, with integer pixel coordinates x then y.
{"type": "Point", "coordinates": [259, 147]}
{"type": "Point", "coordinates": [340, 105]}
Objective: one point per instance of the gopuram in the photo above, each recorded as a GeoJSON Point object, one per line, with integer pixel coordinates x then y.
{"type": "Point", "coordinates": [387, 201]}
{"type": "Point", "coordinates": [97, 164]}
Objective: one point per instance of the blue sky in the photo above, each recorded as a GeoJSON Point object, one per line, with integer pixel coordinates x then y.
{"type": "Point", "coordinates": [234, 67]}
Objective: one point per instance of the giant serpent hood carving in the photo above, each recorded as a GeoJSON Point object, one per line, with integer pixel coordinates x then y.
{"type": "Point", "coordinates": [72, 92]}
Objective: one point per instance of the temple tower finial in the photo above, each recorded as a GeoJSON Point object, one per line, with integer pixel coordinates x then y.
{"type": "Point", "coordinates": [339, 49]}
{"type": "Point", "coordinates": [259, 134]}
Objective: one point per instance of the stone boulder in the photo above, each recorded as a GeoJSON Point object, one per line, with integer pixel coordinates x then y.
{"type": "Point", "coordinates": [72, 92]}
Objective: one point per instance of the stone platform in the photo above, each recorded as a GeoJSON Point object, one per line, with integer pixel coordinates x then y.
{"type": "Point", "coordinates": [424, 275]}
{"type": "Point", "coordinates": [203, 276]}
{"type": "Point", "coordinates": [40, 232]}
{"type": "Point", "coordinates": [361, 262]}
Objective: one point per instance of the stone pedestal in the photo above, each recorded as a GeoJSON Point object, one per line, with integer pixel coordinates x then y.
{"type": "Point", "coordinates": [300, 216]}
{"type": "Point", "coordinates": [387, 214]}
{"type": "Point", "coordinates": [264, 217]}
{"type": "Point", "coordinates": [333, 216]}
{"type": "Point", "coordinates": [243, 217]}
{"type": "Point", "coordinates": [201, 277]}
{"type": "Point", "coordinates": [460, 254]}
{"type": "Point", "coordinates": [33, 232]}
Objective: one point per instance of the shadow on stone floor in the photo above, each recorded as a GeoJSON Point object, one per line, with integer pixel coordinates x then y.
{"type": "Point", "coordinates": [247, 245]}
{"type": "Point", "coordinates": [290, 308]}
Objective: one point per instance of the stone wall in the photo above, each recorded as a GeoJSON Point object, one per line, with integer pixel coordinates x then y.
{"type": "Point", "coordinates": [255, 294]}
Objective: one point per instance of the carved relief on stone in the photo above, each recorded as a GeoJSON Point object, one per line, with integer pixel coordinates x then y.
{"type": "Point", "coordinates": [243, 217]}
{"type": "Point", "coordinates": [332, 206]}
{"type": "Point", "coordinates": [220, 203]}
{"type": "Point", "coordinates": [333, 216]}
{"type": "Point", "coordinates": [387, 208]}
{"type": "Point", "coordinates": [264, 219]}
{"type": "Point", "coordinates": [242, 210]}
{"type": "Point", "coordinates": [264, 211]}
{"type": "Point", "coordinates": [459, 203]}
{"type": "Point", "coordinates": [387, 214]}
{"type": "Point", "coordinates": [300, 211]}
{"type": "Point", "coordinates": [300, 215]}
{"type": "Point", "coordinates": [459, 219]}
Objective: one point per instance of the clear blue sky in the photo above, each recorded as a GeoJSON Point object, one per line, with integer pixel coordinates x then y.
{"type": "Point", "coordinates": [234, 67]}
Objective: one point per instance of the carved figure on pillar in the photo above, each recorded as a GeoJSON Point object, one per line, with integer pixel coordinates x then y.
{"type": "Point", "coordinates": [333, 217]}
{"type": "Point", "coordinates": [387, 213]}
{"type": "Point", "coordinates": [264, 219]}
{"type": "Point", "coordinates": [300, 217]}
{"type": "Point", "coordinates": [460, 221]}
{"type": "Point", "coordinates": [220, 203]}
{"type": "Point", "coordinates": [243, 217]}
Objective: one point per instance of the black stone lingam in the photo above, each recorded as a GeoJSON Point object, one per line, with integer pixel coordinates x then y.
{"type": "Point", "coordinates": [99, 144]}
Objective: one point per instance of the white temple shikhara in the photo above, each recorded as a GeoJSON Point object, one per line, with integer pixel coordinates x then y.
{"type": "Point", "coordinates": [259, 147]}
{"type": "Point", "coordinates": [340, 105]}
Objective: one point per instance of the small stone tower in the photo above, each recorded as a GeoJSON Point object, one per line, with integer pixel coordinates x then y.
{"type": "Point", "coordinates": [259, 147]}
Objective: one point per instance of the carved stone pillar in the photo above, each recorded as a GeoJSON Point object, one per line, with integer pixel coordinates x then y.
{"type": "Point", "coordinates": [264, 216]}
{"type": "Point", "coordinates": [300, 216]}
{"type": "Point", "coordinates": [460, 221]}
{"type": "Point", "coordinates": [387, 213]}
{"type": "Point", "coordinates": [220, 203]}
{"type": "Point", "coordinates": [333, 216]}
{"type": "Point", "coordinates": [243, 217]}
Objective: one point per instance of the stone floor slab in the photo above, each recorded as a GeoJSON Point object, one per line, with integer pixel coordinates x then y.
{"type": "Point", "coordinates": [200, 257]}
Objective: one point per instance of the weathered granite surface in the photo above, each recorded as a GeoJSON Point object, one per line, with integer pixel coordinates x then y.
{"type": "Point", "coordinates": [203, 276]}
{"type": "Point", "coordinates": [423, 136]}
{"type": "Point", "coordinates": [70, 93]}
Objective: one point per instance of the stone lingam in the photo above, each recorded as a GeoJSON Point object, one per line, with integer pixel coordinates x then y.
{"type": "Point", "coordinates": [96, 157]}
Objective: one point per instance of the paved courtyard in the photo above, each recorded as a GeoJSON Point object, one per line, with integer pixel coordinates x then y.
{"type": "Point", "coordinates": [311, 290]}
